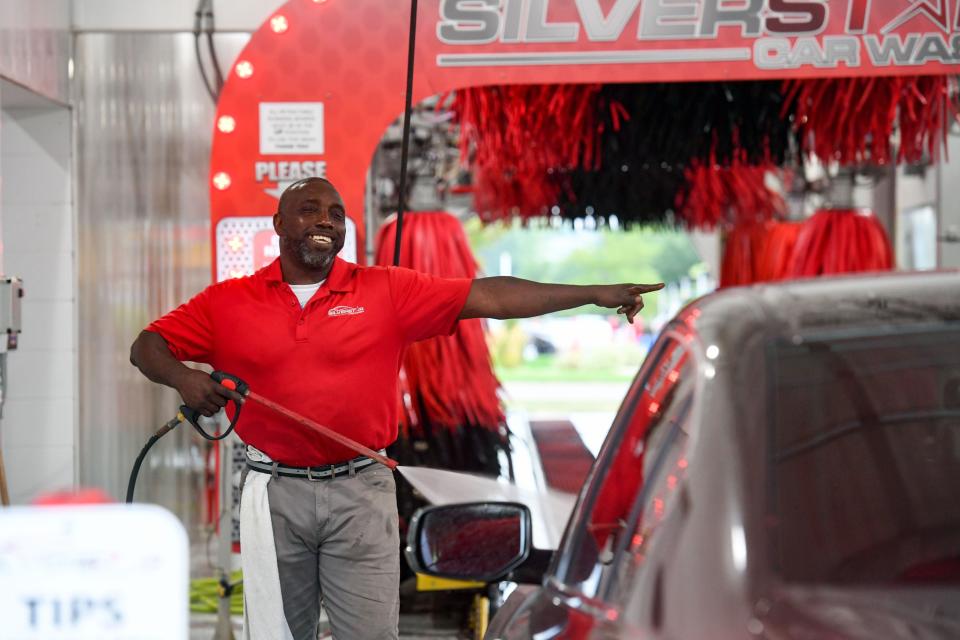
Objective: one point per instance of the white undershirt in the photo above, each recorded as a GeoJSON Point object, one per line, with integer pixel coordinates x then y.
{"type": "Point", "coordinates": [305, 291]}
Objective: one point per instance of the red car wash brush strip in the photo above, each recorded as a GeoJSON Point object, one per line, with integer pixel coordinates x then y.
{"type": "Point", "coordinates": [520, 138]}
{"type": "Point", "coordinates": [852, 120]}
{"type": "Point", "coordinates": [718, 196]}
{"type": "Point", "coordinates": [777, 252]}
{"type": "Point", "coordinates": [743, 245]}
{"type": "Point", "coordinates": [447, 381]}
{"type": "Point", "coordinates": [841, 241]}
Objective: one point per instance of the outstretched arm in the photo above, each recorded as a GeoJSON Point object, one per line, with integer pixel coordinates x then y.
{"type": "Point", "coordinates": [504, 297]}
{"type": "Point", "coordinates": [152, 356]}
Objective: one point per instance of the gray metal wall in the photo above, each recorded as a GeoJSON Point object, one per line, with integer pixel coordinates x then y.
{"type": "Point", "coordinates": [143, 129]}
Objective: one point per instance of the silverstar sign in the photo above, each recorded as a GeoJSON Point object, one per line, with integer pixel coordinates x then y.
{"type": "Point", "coordinates": [774, 34]}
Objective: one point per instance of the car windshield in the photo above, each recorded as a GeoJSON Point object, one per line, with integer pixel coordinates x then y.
{"type": "Point", "coordinates": [864, 476]}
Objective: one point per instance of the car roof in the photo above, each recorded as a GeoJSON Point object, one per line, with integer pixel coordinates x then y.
{"type": "Point", "coordinates": [824, 305]}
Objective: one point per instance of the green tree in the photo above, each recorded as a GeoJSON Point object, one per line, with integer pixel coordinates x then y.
{"type": "Point", "coordinates": [585, 257]}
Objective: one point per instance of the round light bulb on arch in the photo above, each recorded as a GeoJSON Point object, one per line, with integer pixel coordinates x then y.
{"type": "Point", "coordinates": [279, 24]}
{"type": "Point", "coordinates": [221, 181]}
{"type": "Point", "coordinates": [226, 124]}
{"type": "Point", "coordinates": [244, 69]}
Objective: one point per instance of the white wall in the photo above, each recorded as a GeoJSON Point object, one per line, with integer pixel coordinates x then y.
{"type": "Point", "coordinates": [35, 45]}
{"type": "Point", "coordinates": [37, 431]}
{"type": "Point", "coordinates": [168, 15]}
{"type": "Point", "coordinates": [948, 211]}
{"type": "Point", "coordinates": [38, 428]}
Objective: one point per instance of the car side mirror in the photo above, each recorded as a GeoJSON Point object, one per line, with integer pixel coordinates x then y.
{"type": "Point", "coordinates": [481, 541]}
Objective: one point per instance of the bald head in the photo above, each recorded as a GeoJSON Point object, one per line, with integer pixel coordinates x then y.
{"type": "Point", "coordinates": [299, 186]}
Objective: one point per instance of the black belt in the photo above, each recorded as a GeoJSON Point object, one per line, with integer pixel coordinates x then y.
{"type": "Point", "coordinates": [322, 472]}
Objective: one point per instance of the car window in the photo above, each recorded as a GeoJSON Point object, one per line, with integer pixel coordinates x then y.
{"type": "Point", "coordinates": [665, 467]}
{"type": "Point", "coordinates": [631, 462]}
{"type": "Point", "coordinates": [865, 459]}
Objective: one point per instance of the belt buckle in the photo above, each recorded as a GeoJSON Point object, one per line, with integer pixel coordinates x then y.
{"type": "Point", "coordinates": [313, 478]}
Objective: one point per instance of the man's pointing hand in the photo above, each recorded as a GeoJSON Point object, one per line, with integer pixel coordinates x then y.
{"type": "Point", "coordinates": [627, 298]}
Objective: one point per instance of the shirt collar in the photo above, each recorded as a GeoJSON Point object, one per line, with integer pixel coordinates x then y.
{"type": "Point", "coordinates": [339, 279]}
{"type": "Point", "coordinates": [341, 275]}
{"type": "Point", "coordinates": [272, 272]}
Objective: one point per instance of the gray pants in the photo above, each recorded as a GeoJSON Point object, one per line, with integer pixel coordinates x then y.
{"type": "Point", "coordinates": [336, 542]}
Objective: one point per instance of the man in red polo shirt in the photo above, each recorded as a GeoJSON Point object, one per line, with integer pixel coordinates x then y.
{"type": "Point", "coordinates": [324, 338]}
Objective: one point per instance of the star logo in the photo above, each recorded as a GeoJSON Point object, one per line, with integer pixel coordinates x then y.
{"type": "Point", "coordinates": [938, 11]}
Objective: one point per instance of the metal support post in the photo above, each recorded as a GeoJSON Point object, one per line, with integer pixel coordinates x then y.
{"type": "Point", "coordinates": [225, 538]}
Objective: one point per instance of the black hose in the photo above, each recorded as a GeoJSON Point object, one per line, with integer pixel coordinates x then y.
{"type": "Point", "coordinates": [404, 142]}
{"type": "Point", "coordinates": [162, 431]}
{"type": "Point", "coordinates": [197, 32]}
{"type": "Point", "coordinates": [212, 49]}
{"type": "Point", "coordinates": [215, 62]}
{"type": "Point", "coordinates": [186, 413]}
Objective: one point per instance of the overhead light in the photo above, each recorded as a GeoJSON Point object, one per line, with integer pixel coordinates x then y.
{"type": "Point", "coordinates": [279, 24]}
{"type": "Point", "coordinates": [226, 124]}
{"type": "Point", "coordinates": [221, 181]}
{"type": "Point", "coordinates": [244, 69]}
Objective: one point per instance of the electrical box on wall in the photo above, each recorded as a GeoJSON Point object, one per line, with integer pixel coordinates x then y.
{"type": "Point", "coordinates": [11, 291]}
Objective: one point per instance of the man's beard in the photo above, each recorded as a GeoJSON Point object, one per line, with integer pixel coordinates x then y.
{"type": "Point", "coordinates": [310, 257]}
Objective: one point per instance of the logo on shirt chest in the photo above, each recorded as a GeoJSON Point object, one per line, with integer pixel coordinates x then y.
{"type": "Point", "coordinates": [344, 310]}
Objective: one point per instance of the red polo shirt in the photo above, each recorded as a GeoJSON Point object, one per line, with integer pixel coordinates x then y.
{"type": "Point", "coordinates": [334, 361]}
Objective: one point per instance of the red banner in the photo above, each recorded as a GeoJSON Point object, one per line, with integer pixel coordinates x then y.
{"type": "Point", "coordinates": [670, 40]}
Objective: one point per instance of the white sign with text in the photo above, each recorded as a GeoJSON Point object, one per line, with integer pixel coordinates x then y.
{"type": "Point", "coordinates": [93, 572]}
{"type": "Point", "coordinates": [291, 128]}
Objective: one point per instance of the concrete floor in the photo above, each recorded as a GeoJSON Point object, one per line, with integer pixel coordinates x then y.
{"type": "Point", "coordinates": [431, 616]}
{"type": "Point", "coordinates": [415, 626]}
